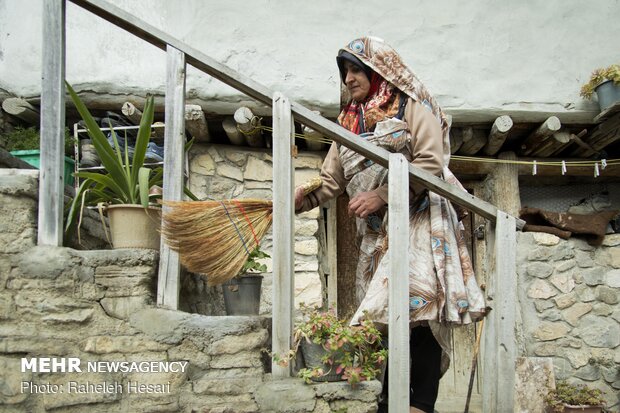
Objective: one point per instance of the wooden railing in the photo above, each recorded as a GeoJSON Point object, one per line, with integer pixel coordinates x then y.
{"type": "Point", "coordinates": [500, 346]}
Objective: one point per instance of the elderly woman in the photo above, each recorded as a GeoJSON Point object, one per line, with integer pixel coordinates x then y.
{"type": "Point", "coordinates": [391, 108]}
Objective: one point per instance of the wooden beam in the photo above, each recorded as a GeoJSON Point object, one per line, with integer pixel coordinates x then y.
{"type": "Point", "coordinates": [603, 135]}
{"type": "Point", "coordinates": [499, 132]}
{"type": "Point", "coordinates": [132, 113]}
{"type": "Point", "coordinates": [283, 231]}
{"type": "Point", "coordinates": [20, 108]}
{"type": "Point", "coordinates": [261, 93]}
{"type": "Point", "coordinates": [473, 141]}
{"type": "Point", "coordinates": [544, 131]}
{"type": "Point", "coordinates": [332, 255]}
{"type": "Point", "coordinates": [500, 352]}
{"type": "Point", "coordinates": [456, 140]}
{"type": "Point", "coordinates": [230, 127]}
{"type": "Point", "coordinates": [249, 125]}
{"type": "Point", "coordinates": [555, 143]}
{"type": "Point", "coordinates": [398, 285]}
{"type": "Point", "coordinates": [51, 171]}
{"type": "Point", "coordinates": [196, 123]}
{"type": "Point", "coordinates": [168, 285]}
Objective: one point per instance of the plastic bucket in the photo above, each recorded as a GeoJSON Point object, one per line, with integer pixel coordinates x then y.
{"type": "Point", "coordinates": [133, 226]}
{"type": "Point", "coordinates": [607, 93]}
{"type": "Point", "coordinates": [242, 295]}
{"type": "Point", "coordinates": [33, 157]}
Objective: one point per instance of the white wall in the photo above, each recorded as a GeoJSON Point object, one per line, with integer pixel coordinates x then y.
{"type": "Point", "coordinates": [481, 56]}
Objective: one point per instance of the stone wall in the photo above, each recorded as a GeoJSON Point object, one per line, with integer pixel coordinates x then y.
{"type": "Point", "coordinates": [98, 306]}
{"type": "Point", "coordinates": [568, 296]}
{"type": "Point", "coordinates": [222, 172]}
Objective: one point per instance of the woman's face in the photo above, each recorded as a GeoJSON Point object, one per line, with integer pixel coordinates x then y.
{"type": "Point", "coordinates": [356, 81]}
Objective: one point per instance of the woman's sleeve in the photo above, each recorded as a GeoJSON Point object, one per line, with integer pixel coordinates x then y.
{"type": "Point", "coordinates": [333, 181]}
{"type": "Point", "coordinates": [426, 146]}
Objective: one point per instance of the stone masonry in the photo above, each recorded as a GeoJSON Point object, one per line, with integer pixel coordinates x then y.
{"type": "Point", "coordinates": [98, 306]}
{"type": "Point", "coordinates": [568, 297]}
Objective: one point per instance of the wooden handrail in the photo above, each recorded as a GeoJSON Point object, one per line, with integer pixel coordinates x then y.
{"type": "Point", "coordinates": [302, 114]}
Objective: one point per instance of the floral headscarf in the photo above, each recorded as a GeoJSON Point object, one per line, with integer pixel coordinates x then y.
{"type": "Point", "coordinates": [384, 60]}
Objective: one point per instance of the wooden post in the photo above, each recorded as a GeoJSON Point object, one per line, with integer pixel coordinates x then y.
{"type": "Point", "coordinates": [283, 231]}
{"type": "Point", "coordinates": [249, 125]}
{"type": "Point", "coordinates": [230, 127]}
{"type": "Point", "coordinates": [544, 131]}
{"type": "Point", "coordinates": [499, 132]}
{"type": "Point", "coordinates": [398, 251]}
{"type": "Point", "coordinates": [196, 123]}
{"type": "Point", "coordinates": [168, 285]}
{"type": "Point", "coordinates": [504, 185]}
{"type": "Point", "coordinates": [51, 171]}
{"type": "Point", "coordinates": [500, 350]}
{"type": "Point", "coordinates": [20, 108]}
{"type": "Point", "coordinates": [332, 255]}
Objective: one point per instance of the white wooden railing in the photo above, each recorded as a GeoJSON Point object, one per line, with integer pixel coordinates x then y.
{"type": "Point", "coordinates": [500, 344]}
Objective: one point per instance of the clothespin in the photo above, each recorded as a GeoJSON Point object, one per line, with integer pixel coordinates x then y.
{"type": "Point", "coordinates": [596, 171]}
{"type": "Point", "coordinates": [534, 170]}
{"type": "Point", "coordinates": [563, 167]}
{"type": "Point", "coordinates": [604, 163]}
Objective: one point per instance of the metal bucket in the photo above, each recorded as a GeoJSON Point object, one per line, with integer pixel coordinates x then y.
{"type": "Point", "coordinates": [242, 295]}
{"type": "Point", "coordinates": [607, 93]}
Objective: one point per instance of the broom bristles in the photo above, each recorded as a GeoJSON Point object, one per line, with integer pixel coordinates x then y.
{"type": "Point", "coordinates": [214, 238]}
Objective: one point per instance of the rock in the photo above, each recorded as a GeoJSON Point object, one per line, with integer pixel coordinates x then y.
{"type": "Point", "coordinates": [598, 331]}
{"type": "Point", "coordinates": [539, 269]}
{"type": "Point", "coordinates": [542, 238]}
{"type": "Point", "coordinates": [565, 300]}
{"type": "Point", "coordinates": [121, 344]}
{"type": "Point", "coordinates": [612, 278]}
{"type": "Point", "coordinates": [585, 293]}
{"type": "Point", "coordinates": [306, 228]}
{"type": "Point", "coordinates": [353, 406]}
{"type": "Point", "coordinates": [237, 344]}
{"type": "Point", "coordinates": [228, 171]}
{"type": "Point", "coordinates": [562, 252]}
{"type": "Point", "coordinates": [160, 324]}
{"type": "Point", "coordinates": [228, 385]}
{"type": "Point", "coordinates": [589, 372]}
{"type": "Point", "coordinates": [565, 265]}
{"type": "Point", "coordinates": [539, 254]}
{"type": "Point", "coordinates": [542, 305]}
{"type": "Point", "coordinates": [123, 307]}
{"type": "Point", "coordinates": [306, 160]}
{"type": "Point", "coordinates": [238, 360]}
{"type": "Point", "coordinates": [552, 315]}
{"type": "Point", "coordinates": [616, 315]}
{"type": "Point", "coordinates": [76, 316]}
{"type": "Point", "coordinates": [594, 277]}
{"type": "Point", "coordinates": [215, 154]}
{"type": "Point", "coordinates": [580, 244]}
{"type": "Point", "coordinates": [238, 158]}
{"type": "Point", "coordinates": [44, 262]}
{"type": "Point", "coordinates": [307, 247]}
{"type": "Point", "coordinates": [561, 368]}
{"type": "Point", "coordinates": [614, 261]}
{"type": "Point", "coordinates": [611, 240]}
{"type": "Point", "coordinates": [366, 391]}
{"type": "Point", "coordinates": [73, 381]}
{"type": "Point", "coordinates": [308, 289]}
{"type": "Point", "coordinates": [11, 380]}
{"type": "Point", "coordinates": [541, 289]}
{"type": "Point", "coordinates": [563, 282]}
{"type": "Point", "coordinates": [574, 313]}
{"type": "Point", "coordinates": [286, 395]}
{"type": "Point", "coordinates": [534, 378]}
{"type": "Point", "coordinates": [203, 164]}
{"type": "Point", "coordinates": [547, 331]}
{"type": "Point", "coordinates": [584, 259]}
{"type": "Point", "coordinates": [602, 309]}
{"type": "Point", "coordinates": [607, 295]}
{"type": "Point", "coordinates": [577, 358]}
{"type": "Point", "coordinates": [257, 170]}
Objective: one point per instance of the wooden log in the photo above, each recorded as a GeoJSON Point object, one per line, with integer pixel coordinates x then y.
{"type": "Point", "coordinates": [398, 307]}
{"type": "Point", "coordinates": [230, 127]}
{"type": "Point", "coordinates": [555, 143]}
{"type": "Point", "coordinates": [456, 139]}
{"type": "Point", "coordinates": [20, 108]}
{"type": "Point", "coordinates": [473, 141]}
{"type": "Point", "coordinates": [283, 232]}
{"type": "Point", "coordinates": [169, 281]}
{"type": "Point", "coordinates": [536, 138]}
{"type": "Point", "coordinates": [603, 135]}
{"type": "Point", "coordinates": [51, 170]}
{"type": "Point", "coordinates": [577, 139]}
{"type": "Point", "coordinates": [249, 126]}
{"type": "Point", "coordinates": [499, 132]}
{"type": "Point", "coordinates": [159, 130]}
{"type": "Point", "coordinates": [132, 113]}
{"type": "Point", "coordinates": [196, 123]}
{"type": "Point", "coordinates": [313, 138]}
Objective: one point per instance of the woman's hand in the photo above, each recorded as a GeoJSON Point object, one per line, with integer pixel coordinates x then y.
{"type": "Point", "coordinates": [299, 198]}
{"type": "Point", "coordinates": [364, 204]}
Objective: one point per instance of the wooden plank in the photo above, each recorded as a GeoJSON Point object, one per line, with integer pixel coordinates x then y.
{"type": "Point", "coordinates": [332, 256]}
{"type": "Point", "coordinates": [51, 170]}
{"type": "Point", "coordinates": [261, 93]}
{"type": "Point", "coordinates": [499, 352]}
{"type": "Point", "coordinates": [398, 307]}
{"type": "Point", "coordinates": [283, 231]}
{"type": "Point", "coordinates": [168, 285]}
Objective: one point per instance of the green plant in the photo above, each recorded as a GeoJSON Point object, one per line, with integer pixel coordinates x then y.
{"type": "Point", "coordinates": [21, 139]}
{"type": "Point", "coordinates": [599, 76]}
{"type": "Point", "coordinates": [252, 265]}
{"type": "Point", "coordinates": [354, 351]}
{"type": "Point", "coordinates": [124, 182]}
{"type": "Point", "coordinates": [576, 395]}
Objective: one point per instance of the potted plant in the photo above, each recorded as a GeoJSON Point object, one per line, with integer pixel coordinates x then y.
{"type": "Point", "coordinates": [333, 350]}
{"type": "Point", "coordinates": [24, 143]}
{"type": "Point", "coordinates": [242, 292]}
{"type": "Point", "coordinates": [606, 83]}
{"type": "Point", "coordinates": [124, 188]}
{"type": "Point", "coordinates": [567, 398]}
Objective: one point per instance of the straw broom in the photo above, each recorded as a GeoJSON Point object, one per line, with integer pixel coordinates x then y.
{"type": "Point", "coordinates": [215, 238]}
